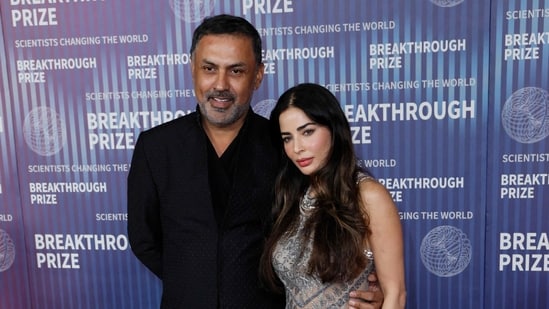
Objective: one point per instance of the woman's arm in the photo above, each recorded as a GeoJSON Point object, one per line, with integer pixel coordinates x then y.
{"type": "Point", "coordinates": [386, 242]}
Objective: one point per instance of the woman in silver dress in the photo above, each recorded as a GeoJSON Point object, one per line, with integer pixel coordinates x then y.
{"type": "Point", "coordinates": [331, 219]}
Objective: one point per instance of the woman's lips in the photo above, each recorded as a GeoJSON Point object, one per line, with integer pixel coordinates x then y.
{"type": "Point", "coordinates": [304, 162]}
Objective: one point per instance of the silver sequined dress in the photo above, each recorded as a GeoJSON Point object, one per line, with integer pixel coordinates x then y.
{"type": "Point", "coordinates": [305, 291]}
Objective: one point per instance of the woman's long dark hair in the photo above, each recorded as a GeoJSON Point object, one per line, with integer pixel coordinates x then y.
{"type": "Point", "coordinates": [338, 223]}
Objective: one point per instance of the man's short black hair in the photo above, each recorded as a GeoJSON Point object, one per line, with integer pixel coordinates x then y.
{"type": "Point", "coordinates": [228, 24]}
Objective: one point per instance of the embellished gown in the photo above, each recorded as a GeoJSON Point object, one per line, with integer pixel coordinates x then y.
{"type": "Point", "coordinates": [290, 260]}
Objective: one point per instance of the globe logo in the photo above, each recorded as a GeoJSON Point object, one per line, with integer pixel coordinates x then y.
{"type": "Point", "coordinates": [445, 251]}
{"type": "Point", "coordinates": [447, 3]}
{"type": "Point", "coordinates": [525, 115]}
{"type": "Point", "coordinates": [264, 107]}
{"type": "Point", "coordinates": [192, 11]}
{"type": "Point", "coordinates": [44, 131]}
{"type": "Point", "coordinates": [7, 251]}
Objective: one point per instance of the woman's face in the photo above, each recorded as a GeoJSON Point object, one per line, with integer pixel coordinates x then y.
{"type": "Point", "coordinates": [306, 143]}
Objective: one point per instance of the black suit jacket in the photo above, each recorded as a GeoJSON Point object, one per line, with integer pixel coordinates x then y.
{"type": "Point", "coordinates": [171, 223]}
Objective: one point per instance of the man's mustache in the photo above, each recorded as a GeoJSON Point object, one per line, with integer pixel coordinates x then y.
{"type": "Point", "coordinates": [220, 95]}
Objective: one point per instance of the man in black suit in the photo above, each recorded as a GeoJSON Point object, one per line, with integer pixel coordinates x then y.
{"type": "Point", "coordinates": [200, 186]}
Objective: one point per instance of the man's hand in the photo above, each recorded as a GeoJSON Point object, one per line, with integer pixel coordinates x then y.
{"type": "Point", "coordinates": [370, 299]}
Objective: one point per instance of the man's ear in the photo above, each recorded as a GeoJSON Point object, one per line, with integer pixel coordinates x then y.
{"type": "Point", "coordinates": [259, 75]}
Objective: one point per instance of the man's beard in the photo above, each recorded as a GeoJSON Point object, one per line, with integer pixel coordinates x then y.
{"type": "Point", "coordinates": [231, 114]}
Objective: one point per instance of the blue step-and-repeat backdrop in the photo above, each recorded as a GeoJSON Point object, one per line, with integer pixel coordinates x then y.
{"type": "Point", "coordinates": [448, 102]}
